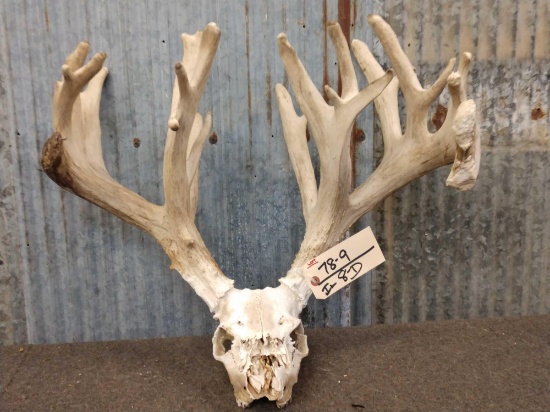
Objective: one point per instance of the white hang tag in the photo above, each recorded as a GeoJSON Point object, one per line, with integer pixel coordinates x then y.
{"type": "Point", "coordinates": [347, 261]}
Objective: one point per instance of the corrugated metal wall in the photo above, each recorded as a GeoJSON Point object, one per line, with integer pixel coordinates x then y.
{"type": "Point", "coordinates": [71, 272]}
{"type": "Point", "coordinates": [485, 252]}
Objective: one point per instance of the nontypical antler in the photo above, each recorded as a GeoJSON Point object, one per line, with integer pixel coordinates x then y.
{"type": "Point", "coordinates": [260, 338]}
{"type": "Point", "coordinates": [332, 208]}
{"type": "Point", "coordinates": [73, 158]}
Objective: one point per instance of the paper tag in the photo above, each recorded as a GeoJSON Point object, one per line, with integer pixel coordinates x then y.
{"type": "Point", "coordinates": [347, 261]}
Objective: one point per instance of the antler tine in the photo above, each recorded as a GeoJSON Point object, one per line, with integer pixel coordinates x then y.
{"type": "Point", "coordinates": [462, 114]}
{"type": "Point", "coordinates": [345, 65]}
{"type": "Point", "coordinates": [386, 104]}
{"type": "Point", "coordinates": [352, 102]}
{"type": "Point", "coordinates": [187, 132]}
{"type": "Point", "coordinates": [309, 99]}
{"type": "Point", "coordinates": [75, 76]}
{"type": "Point", "coordinates": [294, 132]}
{"type": "Point", "coordinates": [197, 138]}
{"type": "Point", "coordinates": [458, 82]}
{"type": "Point", "coordinates": [417, 99]}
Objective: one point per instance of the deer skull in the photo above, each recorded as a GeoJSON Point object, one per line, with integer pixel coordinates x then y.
{"type": "Point", "coordinates": [261, 342]}
{"type": "Point", "coordinates": [260, 339]}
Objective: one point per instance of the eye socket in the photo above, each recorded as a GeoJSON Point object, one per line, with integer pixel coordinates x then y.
{"type": "Point", "coordinates": [298, 331]}
{"type": "Point", "coordinates": [300, 339]}
{"type": "Point", "coordinates": [223, 341]}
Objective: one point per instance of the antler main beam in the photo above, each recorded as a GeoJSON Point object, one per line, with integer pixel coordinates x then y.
{"type": "Point", "coordinates": [332, 209]}
{"type": "Point", "coordinates": [73, 158]}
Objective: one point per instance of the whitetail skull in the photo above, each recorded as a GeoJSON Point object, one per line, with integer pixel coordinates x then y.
{"type": "Point", "coordinates": [261, 342]}
{"type": "Point", "coordinates": [260, 339]}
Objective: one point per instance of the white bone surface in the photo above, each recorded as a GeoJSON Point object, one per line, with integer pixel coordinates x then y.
{"type": "Point", "coordinates": [261, 342]}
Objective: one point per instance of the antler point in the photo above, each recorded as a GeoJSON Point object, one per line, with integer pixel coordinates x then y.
{"type": "Point", "coordinates": [212, 28]}
{"type": "Point", "coordinates": [67, 72]}
{"type": "Point", "coordinates": [454, 79]}
{"type": "Point", "coordinates": [373, 18]}
{"type": "Point", "coordinates": [173, 124]}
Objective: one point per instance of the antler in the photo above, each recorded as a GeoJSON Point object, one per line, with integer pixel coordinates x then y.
{"type": "Point", "coordinates": [72, 157]}
{"type": "Point", "coordinates": [260, 339]}
{"type": "Point", "coordinates": [331, 209]}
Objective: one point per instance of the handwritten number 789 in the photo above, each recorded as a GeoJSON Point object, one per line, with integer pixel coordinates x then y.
{"type": "Point", "coordinates": [330, 264]}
